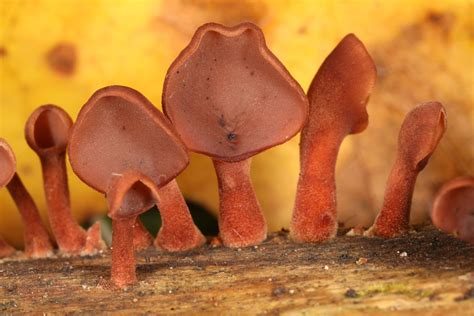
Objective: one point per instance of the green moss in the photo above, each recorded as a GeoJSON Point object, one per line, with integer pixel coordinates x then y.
{"type": "Point", "coordinates": [394, 288]}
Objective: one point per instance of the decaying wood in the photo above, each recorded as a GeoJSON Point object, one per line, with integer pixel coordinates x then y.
{"type": "Point", "coordinates": [424, 273]}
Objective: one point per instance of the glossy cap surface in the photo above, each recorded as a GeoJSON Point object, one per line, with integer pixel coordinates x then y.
{"type": "Point", "coordinates": [229, 97]}
{"type": "Point", "coordinates": [7, 163]}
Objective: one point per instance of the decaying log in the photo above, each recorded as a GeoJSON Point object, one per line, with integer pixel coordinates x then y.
{"type": "Point", "coordinates": [423, 273]}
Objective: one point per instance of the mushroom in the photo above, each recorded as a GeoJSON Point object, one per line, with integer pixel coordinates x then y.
{"type": "Point", "coordinates": [119, 130]}
{"type": "Point", "coordinates": [37, 242]}
{"type": "Point", "coordinates": [453, 208]}
{"type": "Point", "coordinates": [338, 97]}
{"type": "Point", "coordinates": [47, 133]}
{"type": "Point", "coordinates": [230, 98]}
{"type": "Point", "coordinates": [128, 196]}
{"type": "Point", "coordinates": [419, 135]}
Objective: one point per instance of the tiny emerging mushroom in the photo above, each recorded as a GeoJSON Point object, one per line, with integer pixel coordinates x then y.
{"type": "Point", "coordinates": [230, 98]}
{"type": "Point", "coordinates": [128, 196]}
{"type": "Point", "coordinates": [119, 130]}
{"type": "Point", "coordinates": [338, 97]}
{"type": "Point", "coordinates": [453, 208]}
{"type": "Point", "coordinates": [419, 136]}
{"type": "Point", "coordinates": [36, 238]}
{"type": "Point", "coordinates": [47, 133]}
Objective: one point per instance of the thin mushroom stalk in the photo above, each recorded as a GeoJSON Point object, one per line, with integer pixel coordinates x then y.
{"type": "Point", "coordinates": [453, 208]}
{"type": "Point", "coordinates": [5, 249]}
{"type": "Point", "coordinates": [419, 136]}
{"type": "Point", "coordinates": [36, 238]}
{"type": "Point", "coordinates": [240, 216]}
{"type": "Point", "coordinates": [338, 97]}
{"type": "Point", "coordinates": [47, 133]}
{"type": "Point", "coordinates": [142, 239]}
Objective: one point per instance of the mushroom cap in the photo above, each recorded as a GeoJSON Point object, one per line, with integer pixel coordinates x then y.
{"type": "Point", "coordinates": [420, 133]}
{"type": "Point", "coordinates": [118, 130]}
{"type": "Point", "coordinates": [229, 97]}
{"type": "Point", "coordinates": [7, 163]}
{"type": "Point", "coordinates": [129, 194]}
{"type": "Point", "coordinates": [47, 129]}
{"type": "Point", "coordinates": [453, 208]}
{"type": "Point", "coordinates": [339, 92]}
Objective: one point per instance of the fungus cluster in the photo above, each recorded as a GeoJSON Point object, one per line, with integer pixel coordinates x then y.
{"type": "Point", "coordinates": [228, 97]}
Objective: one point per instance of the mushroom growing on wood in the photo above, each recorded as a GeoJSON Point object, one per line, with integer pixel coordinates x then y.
{"type": "Point", "coordinates": [118, 130]}
{"type": "Point", "coordinates": [128, 195]}
{"type": "Point", "coordinates": [36, 238]}
{"type": "Point", "coordinates": [453, 208]}
{"type": "Point", "coordinates": [419, 135]}
{"type": "Point", "coordinates": [230, 98]}
{"type": "Point", "coordinates": [47, 133]}
{"type": "Point", "coordinates": [338, 97]}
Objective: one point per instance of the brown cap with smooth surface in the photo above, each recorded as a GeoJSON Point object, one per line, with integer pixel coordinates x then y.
{"type": "Point", "coordinates": [229, 97]}
{"type": "Point", "coordinates": [7, 163]}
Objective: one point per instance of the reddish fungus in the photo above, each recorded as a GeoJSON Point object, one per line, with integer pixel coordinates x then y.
{"type": "Point", "coordinates": [119, 130]}
{"type": "Point", "coordinates": [453, 208]}
{"type": "Point", "coordinates": [47, 133]}
{"type": "Point", "coordinates": [230, 98]}
{"type": "Point", "coordinates": [419, 135]}
{"type": "Point", "coordinates": [338, 97]}
{"type": "Point", "coordinates": [36, 238]}
{"type": "Point", "coordinates": [126, 194]}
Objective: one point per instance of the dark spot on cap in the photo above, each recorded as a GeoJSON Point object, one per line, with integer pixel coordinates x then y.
{"type": "Point", "coordinates": [123, 128]}
{"type": "Point", "coordinates": [252, 73]}
{"type": "Point", "coordinates": [231, 137]}
{"type": "Point", "coordinates": [62, 58]}
{"type": "Point", "coordinates": [221, 122]}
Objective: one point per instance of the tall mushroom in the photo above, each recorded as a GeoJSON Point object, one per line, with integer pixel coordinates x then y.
{"type": "Point", "coordinates": [119, 130]}
{"type": "Point", "coordinates": [36, 238]}
{"type": "Point", "coordinates": [419, 135]}
{"type": "Point", "coordinates": [230, 98]}
{"type": "Point", "coordinates": [453, 208]}
{"type": "Point", "coordinates": [128, 196]}
{"type": "Point", "coordinates": [338, 97]}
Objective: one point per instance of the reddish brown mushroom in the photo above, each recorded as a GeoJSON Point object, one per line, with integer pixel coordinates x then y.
{"type": "Point", "coordinates": [419, 135]}
{"type": "Point", "coordinates": [128, 196]}
{"type": "Point", "coordinates": [47, 133]}
{"type": "Point", "coordinates": [230, 98]}
{"type": "Point", "coordinates": [338, 97]}
{"type": "Point", "coordinates": [119, 130]}
{"type": "Point", "coordinates": [36, 238]}
{"type": "Point", "coordinates": [453, 208]}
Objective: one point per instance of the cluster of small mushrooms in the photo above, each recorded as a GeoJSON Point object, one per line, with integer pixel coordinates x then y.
{"type": "Point", "coordinates": [228, 97]}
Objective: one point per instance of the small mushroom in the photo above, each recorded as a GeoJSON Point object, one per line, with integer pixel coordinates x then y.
{"type": "Point", "coordinates": [118, 130]}
{"type": "Point", "coordinates": [47, 133]}
{"type": "Point", "coordinates": [37, 242]}
{"type": "Point", "coordinates": [338, 97]}
{"type": "Point", "coordinates": [453, 208]}
{"type": "Point", "coordinates": [419, 135]}
{"type": "Point", "coordinates": [230, 98]}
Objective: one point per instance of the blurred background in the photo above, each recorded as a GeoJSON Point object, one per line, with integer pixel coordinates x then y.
{"type": "Point", "coordinates": [61, 51]}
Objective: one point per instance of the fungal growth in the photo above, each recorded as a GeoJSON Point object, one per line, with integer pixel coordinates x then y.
{"type": "Point", "coordinates": [126, 196]}
{"type": "Point", "coordinates": [419, 135]}
{"type": "Point", "coordinates": [47, 133]}
{"type": "Point", "coordinates": [119, 130]}
{"type": "Point", "coordinates": [36, 238]}
{"type": "Point", "coordinates": [453, 208]}
{"type": "Point", "coordinates": [338, 97]}
{"type": "Point", "coordinates": [230, 98]}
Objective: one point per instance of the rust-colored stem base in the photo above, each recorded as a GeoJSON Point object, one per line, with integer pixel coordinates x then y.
{"type": "Point", "coordinates": [142, 239]}
{"type": "Point", "coordinates": [36, 238]}
{"type": "Point", "coordinates": [241, 222]}
{"type": "Point", "coordinates": [178, 232]}
{"type": "Point", "coordinates": [123, 257]}
{"type": "Point", "coordinates": [70, 237]}
{"type": "Point", "coordinates": [315, 212]}
{"type": "Point", "coordinates": [394, 218]}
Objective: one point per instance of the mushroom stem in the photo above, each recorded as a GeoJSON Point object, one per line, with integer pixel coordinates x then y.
{"type": "Point", "coordinates": [70, 237]}
{"type": "Point", "coordinates": [394, 218]}
{"type": "Point", "coordinates": [5, 249]}
{"type": "Point", "coordinates": [37, 242]}
{"type": "Point", "coordinates": [241, 222]}
{"type": "Point", "coordinates": [178, 231]}
{"type": "Point", "coordinates": [123, 258]}
{"type": "Point", "coordinates": [142, 239]}
{"type": "Point", "coordinates": [315, 214]}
